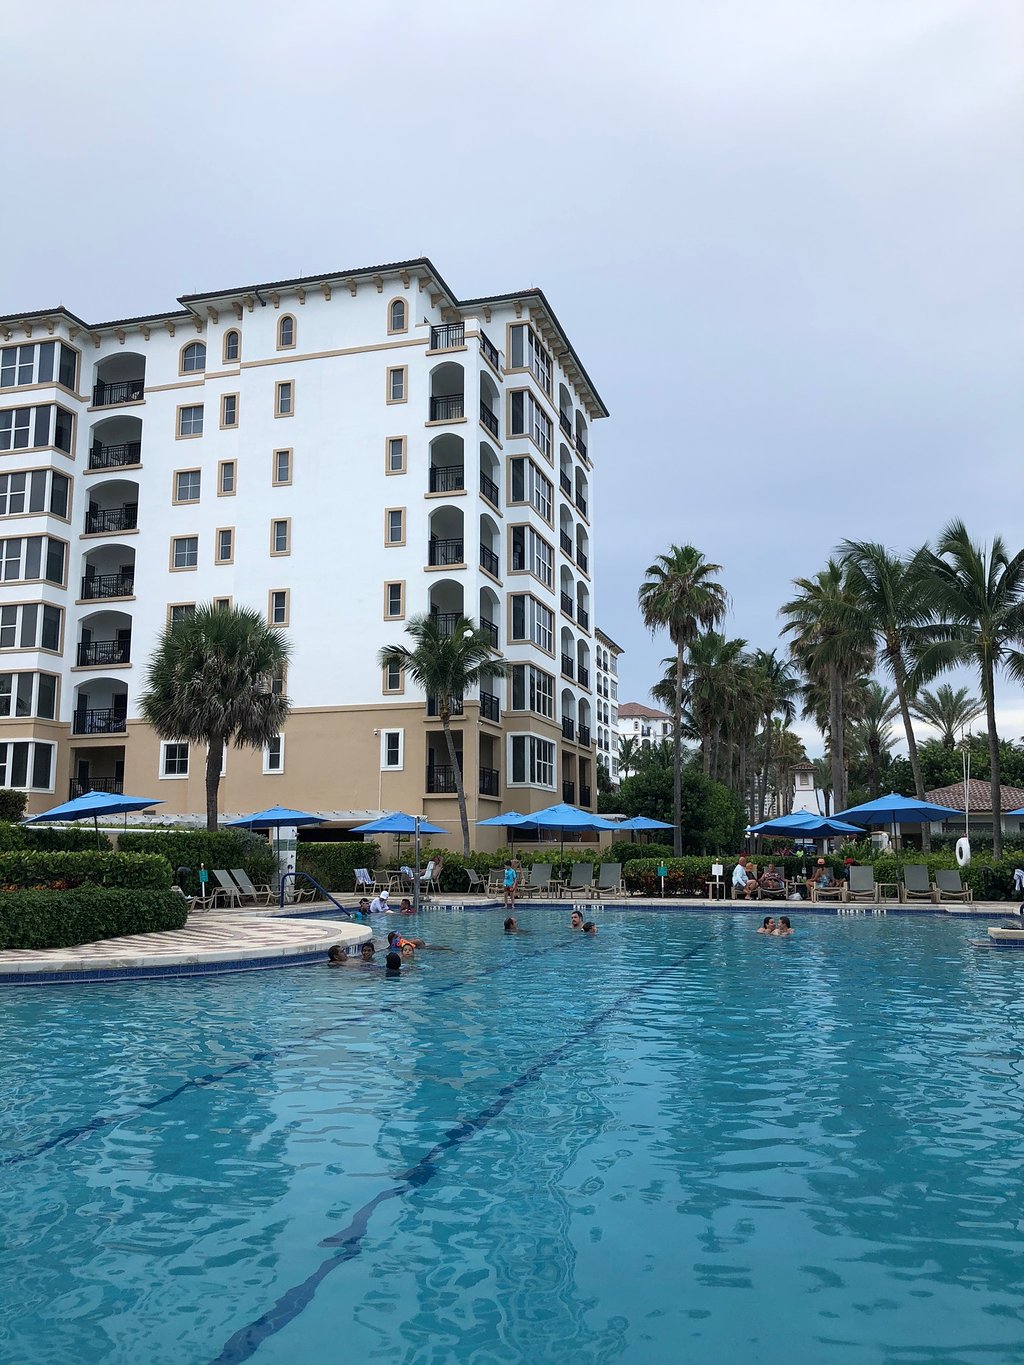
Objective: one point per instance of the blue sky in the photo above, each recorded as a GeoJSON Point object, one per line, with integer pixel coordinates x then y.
{"type": "Point", "coordinates": [785, 238]}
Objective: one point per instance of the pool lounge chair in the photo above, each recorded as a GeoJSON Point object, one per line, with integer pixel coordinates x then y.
{"type": "Point", "coordinates": [495, 881]}
{"type": "Point", "coordinates": [538, 883]}
{"type": "Point", "coordinates": [862, 886]}
{"type": "Point", "coordinates": [838, 891]}
{"type": "Point", "coordinates": [226, 889]}
{"type": "Point", "coordinates": [259, 895]}
{"type": "Point", "coordinates": [916, 885]}
{"type": "Point", "coordinates": [581, 878]}
{"type": "Point", "coordinates": [949, 887]}
{"type": "Point", "coordinates": [609, 880]}
{"type": "Point", "coordinates": [364, 882]}
{"type": "Point", "coordinates": [476, 883]}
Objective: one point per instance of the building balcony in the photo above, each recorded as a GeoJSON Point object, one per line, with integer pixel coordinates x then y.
{"type": "Point", "coordinates": [102, 720]}
{"type": "Point", "coordinates": [451, 551]}
{"type": "Point", "coordinates": [489, 489]}
{"type": "Point", "coordinates": [565, 541]}
{"type": "Point", "coordinates": [124, 518]}
{"type": "Point", "coordinates": [581, 559]}
{"type": "Point", "coordinates": [97, 653]}
{"type": "Point", "coordinates": [583, 676]}
{"type": "Point", "coordinates": [449, 407]}
{"type": "Point", "coordinates": [491, 631]}
{"type": "Point", "coordinates": [115, 456]}
{"type": "Point", "coordinates": [490, 782]}
{"type": "Point", "coordinates": [569, 792]}
{"type": "Point", "coordinates": [447, 478]}
{"type": "Point", "coordinates": [446, 621]}
{"type": "Point", "coordinates": [490, 351]}
{"type": "Point", "coordinates": [105, 395]}
{"type": "Point", "coordinates": [581, 503]}
{"type": "Point", "coordinates": [581, 445]}
{"type": "Point", "coordinates": [565, 483]}
{"type": "Point", "coordinates": [583, 736]}
{"type": "Point", "coordinates": [565, 422]}
{"type": "Point", "coordinates": [456, 706]}
{"type": "Point", "coordinates": [112, 785]}
{"type": "Point", "coordinates": [568, 728]}
{"type": "Point", "coordinates": [583, 617]}
{"type": "Point", "coordinates": [488, 560]}
{"type": "Point", "coordinates": [448, 336]}
{"type": "Point", "coordinates": [566, 600]}
{"type": "Point", "coordinates": [584, 796]}
{"type": "Point", "coordinates": [489, 420]}
{"type": "Point", "coordinates": [441, 780]}
{"type": "Point", "coordinates": [490, 707]}
{"type": "Point", "coordinates": [567, 665]}
{"type": "Point", "coordinates": [108, 585]}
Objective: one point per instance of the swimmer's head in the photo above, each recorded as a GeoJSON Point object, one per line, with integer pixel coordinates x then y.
{"type": "Point", "coordinates": [408, 949]}
{"type": "Point", "coordinates": [576, 919]}
{"type": "Point", "coordinates": [393, 961]}
{"type": "Point", "coordinates": [766, 921]}
{"type": "Point", "coordinates": [510, 925]}
{"type": "Point", "coordinates": [335, 953]}
{"type": "Point", "coordinates": [784, 922]}
{"type": "Point", "coordinates": [590, 927]}
{"type": "Point", "coordinates": [366, 951]}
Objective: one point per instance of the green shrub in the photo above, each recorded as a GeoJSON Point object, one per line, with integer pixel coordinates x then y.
{"type": "Point", "coordinates": [12, 805]}
{"type": "Point", "coordinates": [64, 838]}
{"type": "Point", "coordinates": [21, 868]}
{"type": "Point", "coordinates": [226, 849]}
{"type": "Point", "coordinates": [623, 851]}
{"type": "Point", "coordinates": [61, 919]}
{"type": "Point", "coordinates": [334, 865]}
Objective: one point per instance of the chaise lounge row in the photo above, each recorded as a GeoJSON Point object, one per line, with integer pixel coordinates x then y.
{"type": "Point", "coordinates": [916, 885]}
{"type": "Point", "coordinates": [538, 881]}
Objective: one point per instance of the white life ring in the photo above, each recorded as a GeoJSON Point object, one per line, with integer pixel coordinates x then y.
{"type": "Point", "coordinates": [963, 852]}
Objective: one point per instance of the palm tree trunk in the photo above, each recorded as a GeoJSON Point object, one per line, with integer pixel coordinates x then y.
{"type": "Point", "coordinates": [875, 752]}
{"type": "Point", "coordinates": [899, 674]}
{"type": "Point", "coordinates": [705, 744]}
{"type": "Point", "coordinates": [988, 684]}
{"type": "Point", "coordinates": [766, 769]}
{"type": "Point", "coordinates": [460, 790]}
{"type": "Point", "coordinates": [214, 763]}
{"type": "Point", "coordinates": [835, 724]}
{"type": "Point", "coordinates": [677, 758]}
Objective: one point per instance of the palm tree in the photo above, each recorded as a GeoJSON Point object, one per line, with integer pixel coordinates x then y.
{"type": "Point", "coordinates": [446, 664]}
{"type": "Point", "coordinates": [832, 646]}
{"type": "Point", "coordinates": [211, 681]}
{"type": "Point", "coordinates": [977, 594]}
{"type": "Point", "coordinates": [948, 711]}
{"type": "Point", "coordinates": [628, 754]}
{"type": "Point", "coordinates": [713, 684]}
{"type": "Point", "coordinates": [777, 687]}
{"type": "Point", "coordinates": [681, 594]}
{"type": "Point", "coordinates": [871, 732]}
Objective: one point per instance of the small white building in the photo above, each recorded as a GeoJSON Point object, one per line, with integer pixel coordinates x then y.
{"type": "Point", "coordinates": [646, 724]}
{"type": "Point", "coordinates": [805, 794]}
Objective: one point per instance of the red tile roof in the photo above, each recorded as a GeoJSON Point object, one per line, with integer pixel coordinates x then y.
{"type": "Point", "coordinates": [630, 710]}
{"type": "Point", "coordinates": [979, 794]}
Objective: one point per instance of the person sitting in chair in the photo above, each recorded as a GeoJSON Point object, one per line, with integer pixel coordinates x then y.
{"type": "Point", "coordinates": [771, 879]}
{"type": "Point", "coordinates": [822, 877]}
{"type": "Point", "coordinates": [743, 882]}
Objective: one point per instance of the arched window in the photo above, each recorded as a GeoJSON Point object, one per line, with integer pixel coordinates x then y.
{"type": "Point", "coordinates": [286, 332]}
{"type": "Point", "coordinates": [193, 358]}
{"type": "Point", "coordinates": [232, 345]}
{"type": "Point", "coordinates": [397, 316]}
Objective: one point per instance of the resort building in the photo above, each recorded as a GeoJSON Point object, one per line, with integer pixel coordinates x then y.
{"type": "Point", "coordinates": [341, 452]}
{"type": "Point", "coordinates": [974, 798]}
{"type": "Point", "coordinates": [646, 724]}
{"type": "Point", "coordinates": [606, 706]}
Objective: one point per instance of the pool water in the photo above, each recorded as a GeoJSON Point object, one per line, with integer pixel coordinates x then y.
{"type": "Point", "coordinates": [677, 1142]}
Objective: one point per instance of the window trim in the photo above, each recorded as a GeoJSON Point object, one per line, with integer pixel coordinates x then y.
{"type": "Point", "coordinates": [387, 455]}
{"type": "Point", "coordinates": [286, 345]}
{"type": "Point", "coordinates": [179, 435]}
{"type": "Point", "coordinates": [41, 604]}
{"type": "Point", "coordinates": [394, 544]}
{"type": "Point", "coordinates": [217, 559]}
{"type": "Point", "coordinates": [221, 491]}
{"type": "Point", "coordinates": [225, 425]}
{"type": "Point", "coordinates": [185, 502]}
{"type": "Point", "coordinates": [186, 346]}
{"type": "Point", "coordinates": [268, 771]}
{"type": "Point", "coordinates": [271, 593]}
{"type": "Point", "coordinates": [44, 554]}
{"type": "Point", "coordinates": [274, 523]}
{"type": "Point", "coordinates": [225, 358]}
{"type": "Point", "coordinates": [162, 774]}
{"type": "Point", "coordinates": [386, 767]}
{"type": "Point", "coordinates": [392, 691]}
{"type": "Point", "coordinates": [275, 482]}
{"type": "Point", "coordinates": [50, 473]}
{"type": "Point", "coordinates": [183, 568]}
{"type": "Point", "coordinates": [398, 583]}
{"type": "Point", "coordinates": [288, 384]}
{"type": "Point", "coordinates": [396, 369]}
{"type": "Point", "coordinates": [171, 606]}
{"type": "Point", "coordinates": [398, 331]}
{"type": "Point", "coordinates": [33, 744]}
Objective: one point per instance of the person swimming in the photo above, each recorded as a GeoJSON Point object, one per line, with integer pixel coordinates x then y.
{"type": "Point", "coordinates": [589, 927]}
{"type": "Point", "coordinates": [335, 955]}
{"type": "Point", "coordinates": [767, 925]}
{"type": "Point", "coordinates": [393, 964]}
{"type": "Point", "coordinates": [406, 907]}
{"type": "Point", "coordinates": [511, 926]}
{"type": "Point", "coordinates": [784, 927]}
{"type": "Point", "coordinates": [576, 920]}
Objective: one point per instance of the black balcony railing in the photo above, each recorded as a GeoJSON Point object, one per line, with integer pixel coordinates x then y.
{"type": "Point", "coordinates": [113, 785]}
{"type": "Point", "coordinates": [446, 621]}
{"type": "Point", "coordinates": [489, 489]}
{"type": "Point", "coordinates": [446, 551]}
{"type": "Point", "coordinates": [567, 665]}
{"type": "Point", "coordinates": [488, 560]}
{"type": "Point", "coordinates": [491, 630]}
{"type": "Point", "coordinates": [98, 652]}
{"type": "Point", "coordinates": [565, 540]}
{"type": "Point", "coordinates": [124, 518]}
{"type": "Point", "coordinates": [569, 792]}
{"type": "Point", "coordinates": [567, 603]}
{"type": "Point", "coordinates": [490, 781]}
{"type": "Point", "coordinates": [111, 457]}
{"type": "Point", "coordinates": [584, 796]}
{"type": "Point", "coordinates": [583, 676]}
{"type": "Point", "coordinates": [565, 483]}
{"type": "Point", "coordinates": [447, 478]}
{"type": "Point", "coordinates": [565, 422]}
{"type": "Point", "coordinates": [568, 728]}
{"type": "Point", "coordinates": [581, 559]}
{"type": "Point", "coordinates": [448, 408]}
{"type": "Point", "coordinates": [490, 351]}
{"type": "Point", "coordinates": [123, 391]}
{"type": "Point", "coordinates": [583, 617]}
{"type": "Point", "coordinates": [456, 706]}
{"type": "Point", "coordinates": [441, 780]}
{"type": "Point", "coordinates": [108, 585]}
{"type": "Point", "coordinates": [490, 707]}
{"type": "Point", "coordinates": [103, 720]}
{"type": "Point", "coordinates": [581, 444]}
{"type": "Point", "coordinates": [583, 735]}
{"type": "Point", "coordinates": [447, 336]}
{"type": "Point", "coordinates": [489, 420]}
{"type": "Point", "coordinates": [581, 502]}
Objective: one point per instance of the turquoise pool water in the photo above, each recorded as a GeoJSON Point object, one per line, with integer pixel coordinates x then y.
{"type": "Point", "coordinates": [676, 1143]}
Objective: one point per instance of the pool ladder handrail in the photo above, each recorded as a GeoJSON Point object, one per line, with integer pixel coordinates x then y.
{"type": "Point", "coordinates": [313, 881]}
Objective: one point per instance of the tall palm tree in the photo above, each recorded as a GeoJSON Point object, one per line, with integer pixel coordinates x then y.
{"type": "Point", "coordinates": [871, 732]}
{"type": "Point", "coordinates": [948, 711]}
{"type": "Point", "coordinates": [777, 686]}
{"type": "Point", "coordinates": [833, 648]}
{"type": "Point", "coordinates": [712, 683]}
{"type": "Point", "coordinates": [977, 594]}
{"type": "Point", "coordinates": [446, 664]}
{"type": "Point", "coordinates": [211, 681]}
{"type": "Point", "coordinates": [680, 594]}
{"type": "Point", "coordinates": [628, 754]}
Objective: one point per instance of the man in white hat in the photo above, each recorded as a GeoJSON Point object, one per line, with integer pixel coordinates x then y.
{"type": "Point", "coordinates": [379, 904]}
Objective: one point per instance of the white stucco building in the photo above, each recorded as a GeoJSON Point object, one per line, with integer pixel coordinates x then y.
{"type": "Point", "coordinates": [606, 705]}
{"type": "Point", "coordinates": [340, 451]}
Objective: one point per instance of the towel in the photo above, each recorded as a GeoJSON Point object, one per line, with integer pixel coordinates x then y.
{"type": "Point", "coordinates": [1018, 881]}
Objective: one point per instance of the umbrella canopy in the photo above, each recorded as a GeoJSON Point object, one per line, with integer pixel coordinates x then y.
{"type": "Point", "coordinates": [642, 822]}
{"type": "Point", "coordinates": [566, 817]}
{"type": "Point", "coordinates": [807, 824]}
{"type": "Point", "coordinates": [398, 823]}
{"type": "Point", "coordinates": [1008, 812]}
{"type": "Point", "coordinates": [95, 804]}
{"type": "Point", "coordinates": [276, 816]}
{"type": "Point", "coordinates": [897, 810]}
{"type": "Point", "coordinates": [510, 817]}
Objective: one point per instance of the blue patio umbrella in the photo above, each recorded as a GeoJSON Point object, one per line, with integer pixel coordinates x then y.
{"type": "Point", "coordinates": [275, 818]}
{"type": "Point", "coordinates": [399, 823]}
{"type": "Point", "coordinates": [897, 810]}
{"type": "Point", "coordinates": [563, 817]}
{"type": "Point", "coordinates": [641, 822]}
{"type": "Point", "coordinates": [511, 819]}
{"type": "Point", "coordinates": [807, 824]}
{"type": "Point", "coordinates": [95, 804]}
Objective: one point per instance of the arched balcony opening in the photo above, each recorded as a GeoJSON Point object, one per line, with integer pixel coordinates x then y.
{"type": "Point", "coordinates": [490, 609]}
{"type": "Point", "coordinates": [113, 507]}
{"type": "Point", "coordinates": [583, 605]}
{"type": "Point", "coordinates": [582, 549]}
{"type": "Point", "coordinates": [101, 707]}
{"type": "Point", "coordinates": [447, 393]}
{"type": "Point", "coordinates": [115, 442]}
{"type": "Point", "coordinates": [119, 378]}
{"type": "Point", "coordinates": [490, 545]}
{"type": "Point", "coordinates": [447, 537]}
{"type": "Point", "coordinates": [565, 411]}
{"type": "Point", "coordinates": [447, 464]}
{"type": "Point", "coordinates": [565, 482]}
{"type": "Point", "coordinates": [566, 531]}
{"type": "Point", "coordinates": [104, 638]}
{"type": "Point", "coordinates": [567, 712]}
{"type": "Point", "coordinates": [581, 494]}
{"type": "Point", "coordinates": [446, 604]}
{"type": "Point", "coordinates": [490, 699]}
{"type": "Point", "coordinates": [490, 473]}
{"type": "Point", "coordinates": [582, 663]}
{"type": "Point", "coordinates": [490, 404]}
{"type": "Point", "coordinates": [567, 590]}
{"type": "Point", "coordinates": [108, 571]}
{"type": "Point", "coordinates": [582, 439]}
{"type": "Point", "coordinates": [568, 652]}
{"type": "Point", "coordinates": [583, 723]}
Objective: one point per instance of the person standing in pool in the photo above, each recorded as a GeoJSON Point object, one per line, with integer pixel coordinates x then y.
{"type": "Point", "coordinates": [589, 927]}
{"type": "Point", "coordinates": [767, 925]}
{"type": "Point", "coordinates": [576, 919]}
{"type": "Point", "coordinates": [784, 927]}
{"type": "Point", "coordinates": [379, 905]}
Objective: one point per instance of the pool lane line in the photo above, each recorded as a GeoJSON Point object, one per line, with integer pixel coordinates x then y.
{"type": "Point", "coordinates": [67, 1136]}
{"type": "Point", "coordinates": [346, 1244]}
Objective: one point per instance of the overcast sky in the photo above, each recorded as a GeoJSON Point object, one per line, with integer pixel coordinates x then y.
{"type": "Point", "coordinates": [784, 235]}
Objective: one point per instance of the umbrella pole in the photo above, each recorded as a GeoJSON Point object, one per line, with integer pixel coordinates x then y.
{"type": "Point", "coordinates": [96, 827]}
{"type": "Point", "coordinates": [416, 867]}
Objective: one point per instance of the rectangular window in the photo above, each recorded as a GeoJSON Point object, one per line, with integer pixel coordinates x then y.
{"type": "Point", "coordinates": [190, 420]}
{"type": "Point", "coordinates": [278, 607]}
{"type": "Point", "coordinates": [531, 553]}
{"type": "Point", "coordinates": [533, 690]}
{"type": "Point", "coordinates": [229, 410]}
{"type": "Point", "coordinates": [180, 611]}
{"type": "Point", "coordinates": [184, 552]}
{"type": "Point", "coordinates": [281, 536]}
{"type": "Point", "coordinates": [527, 352]}
{"type": "Point", "coordinates": [533, 761]}
{"type": "Point", "coordinates": [273, 756]}
{"type": "Point", "coordinates": [397, 384]}
{"type": "Point", "coordinates": [226, 479]}
{"type": "Point", "coordinates": [27, 765]}
{"type": "Point", "coordinates": [282, 472]}
{"type": "Point", "coordinates": [32, 557]}
{"type": "Point", "coordinates": [34, 364]}
{"type": "Point", "coordinates": [222, 603]}
{"type": "Point", "coordinates": [394, 462]}
{"type": "Point", "coordinates": [529, 485]}
{"type": "Point", "coordinates": [393, 679]}
{"type": "Point", "coordinates": [225, 545]}
{"type": "Point", "coordinates": [284, 398]}
{"type": "Point", "coordinates": [532, 621]}
{"type": "Point", "coordinates": [528, 418]}
{"type": "Point", "coordinates": [187, 485]}
{"type": "Point", "coordinates": [31, 428]}
{"type": "Point", "coordinates": [394, 601]}
{"type": "Point", "coordinates": [394, 526]}
{"type": "Point", "coordinates": [392, 743]}
{"type": "Point", "coordinates": [173, 759]}
{"type": "Point", "coordinates": [28, 694]}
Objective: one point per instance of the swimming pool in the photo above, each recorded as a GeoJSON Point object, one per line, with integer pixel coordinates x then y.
{"type": "Point", "coordinates": [677, 1142]}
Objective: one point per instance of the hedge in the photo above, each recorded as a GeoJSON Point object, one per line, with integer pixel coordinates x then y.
{"type": "Point", "coordinates": [12, 804]}
{"type": "Point", "coordinates": [225, 848]}
{"type": "Point", "coordinates": [61, 919]}
{"type": "Point", "coordinates": [334, 865]}
{"type": "Point", "coordinates": [64, 871]}
{"type": "Point", "coordinates": [65, 838]}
